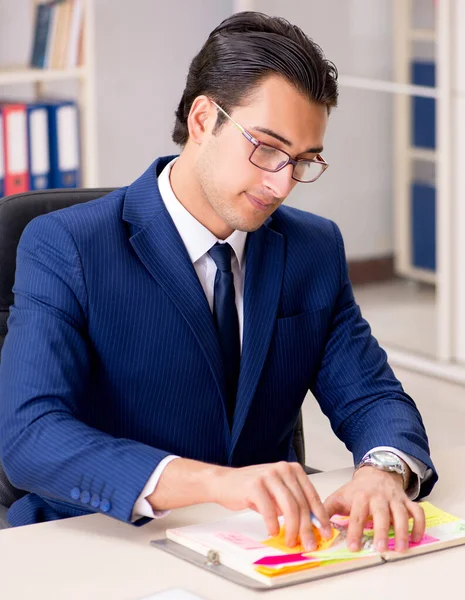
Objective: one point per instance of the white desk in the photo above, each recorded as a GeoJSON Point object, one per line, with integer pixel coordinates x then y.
{"type": "Point", "coordinates": [97, 557]}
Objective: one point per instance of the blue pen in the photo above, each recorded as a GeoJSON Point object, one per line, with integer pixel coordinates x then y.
{"type": "Point", "coordinates": [315, 521]}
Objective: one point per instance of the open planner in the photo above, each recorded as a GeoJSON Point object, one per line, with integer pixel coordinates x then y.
{"type": "Point", "coordinates": [240, 549]}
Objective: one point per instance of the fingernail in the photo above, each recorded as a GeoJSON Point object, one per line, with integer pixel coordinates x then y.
{"type": "Point", "coordinates": [353, 547]}
{"type": "Point", "coordinates": [382, 546]}
{"type": "Point", "coordinates": [402, 546]}
{"type": "Point", "coordinates": [327, 532]}
{"type": "Point", "coordinates": [309, 545]}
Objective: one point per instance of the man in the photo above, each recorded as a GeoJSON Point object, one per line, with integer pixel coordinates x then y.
{"type": "Point", "coordinates": [164, 337]}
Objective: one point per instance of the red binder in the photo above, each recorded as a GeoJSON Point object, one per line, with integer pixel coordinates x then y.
{"type": "Point", "coordinates": [15, 148]}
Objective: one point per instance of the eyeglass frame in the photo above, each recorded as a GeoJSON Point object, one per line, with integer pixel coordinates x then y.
{"type": "Point", "coordinates": [290, 161]}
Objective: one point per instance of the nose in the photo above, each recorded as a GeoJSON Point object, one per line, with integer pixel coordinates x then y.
{"type": "Point", "coordinates": [281, 182]}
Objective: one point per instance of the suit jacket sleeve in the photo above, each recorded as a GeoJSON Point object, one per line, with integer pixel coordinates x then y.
{"type": "Point", "coordinates": [358, 391]}
{"type": "Point", "coordinates": [44, 445]}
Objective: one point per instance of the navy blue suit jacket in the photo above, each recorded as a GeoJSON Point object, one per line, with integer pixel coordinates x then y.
{"type": "Point", "coordinates": [112, 360]}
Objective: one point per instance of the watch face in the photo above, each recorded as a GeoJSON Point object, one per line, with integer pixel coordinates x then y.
{"type": "Point", "coordinates": [385, 459]}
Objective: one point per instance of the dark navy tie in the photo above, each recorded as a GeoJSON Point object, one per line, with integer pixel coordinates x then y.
{"type": "Point", "coordinates": [226, 321]}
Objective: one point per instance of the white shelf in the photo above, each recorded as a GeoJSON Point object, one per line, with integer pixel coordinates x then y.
{"type": "Point", "coordinates": [422, 154]}
{"type": "Point", "coordinates": [423, 35]}
{"type": "Point", "coordinates": [15, 75]}
{"type": "Point", "coordinates": [423, 275]}
{"type": "Point", "coordinates": [84, 76]}
{"type": "Point", "coordinates": [405, 33]}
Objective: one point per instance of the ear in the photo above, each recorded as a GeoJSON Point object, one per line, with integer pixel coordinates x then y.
{"type": "Point", "coordinates": [201, 119]}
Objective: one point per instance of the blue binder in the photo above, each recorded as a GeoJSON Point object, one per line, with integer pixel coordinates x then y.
{"type": "Point", "coordinates": [2, 157]}
{"type": "Point", "coordinates": [65, 163]}
{"type": "Point", "coordinates": [424, 109]}
{"type": "Point", "coordinates": [38, 146]}
{"type": "Point", "coordinates": [423, 222]}
{"type": "Point", "coordinates": [43, 19]}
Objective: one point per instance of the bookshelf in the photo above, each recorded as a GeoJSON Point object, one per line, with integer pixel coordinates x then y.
{"type": "Point", "coordinates": [415, 239]}
{"type": "Point", "coordinates": [85, 77]}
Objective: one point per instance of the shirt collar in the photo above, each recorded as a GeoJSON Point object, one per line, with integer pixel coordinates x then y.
{"type": "Point", "coordinates": [196, 237]}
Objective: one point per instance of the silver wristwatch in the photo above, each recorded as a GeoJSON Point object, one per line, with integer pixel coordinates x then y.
{"type": "Point", "coordinates": [385, 461]}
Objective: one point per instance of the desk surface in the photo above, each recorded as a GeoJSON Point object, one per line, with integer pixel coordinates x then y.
{"type": "Point", "coordinates": [97, 557]}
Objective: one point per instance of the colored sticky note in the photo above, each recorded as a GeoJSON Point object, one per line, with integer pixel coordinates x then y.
{"type": "Point", "coordinates": [284, 559]}
{"type": "Point", "coordinates": [273, 572]}
{"type": "Point", "coordinates": [426, 539]}
{"type": "Point", "coordinates": [278, 541]}
{"type": "Point", "coordinates": [435, 516]}
{"type": "Point", "coordinates": [342, 554]}
{"type": "Point", "coordinates": [340, 520]}
{"type": "Point", "coordinates": [459, 527]}
{"type": "Point", "coordinates": [240, 540]}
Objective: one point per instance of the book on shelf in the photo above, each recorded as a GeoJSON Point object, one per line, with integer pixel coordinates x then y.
{"type": "Point", "coordinates": [58, 31]}
{"type": "Point", "coordinates": [39, 145]}
{"type": "Point", "coordinates": [15, 157]}
{"type": "Point", "coordinates": [2, 157]}
{"type": "Point", "coordinates": [238, 548]}
{"type": "Point", "coordinates": [38, 139]}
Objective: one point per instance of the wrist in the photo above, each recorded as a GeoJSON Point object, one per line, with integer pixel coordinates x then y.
{"type": "Point", "coordinates": [369, 471]}
{"type": "Point", "coordinates": [388, 462]}
{"type": "Point", "coordinates": [185, 482]}
{"type": "Point", "coordinates": [214, 482]}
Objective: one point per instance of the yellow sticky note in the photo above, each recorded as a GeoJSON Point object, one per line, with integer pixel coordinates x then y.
{"type": "Point", "coordinates": [435, 516]}
{"type": "Point", "coordinates": [278, 541]}
{"type": "Point", "coordinates": [270, 572]}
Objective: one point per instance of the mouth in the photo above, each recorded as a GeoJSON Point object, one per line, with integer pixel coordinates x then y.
{"type": "Point", "coordinates": [259, 204]}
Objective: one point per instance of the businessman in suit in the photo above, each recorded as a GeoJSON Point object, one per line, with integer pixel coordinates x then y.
{"type": "Point", "coordinates": [163, 337]}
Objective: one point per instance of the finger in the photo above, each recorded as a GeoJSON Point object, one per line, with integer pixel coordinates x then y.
{"type": "Point", "coordinates": [400, 519]}
{"type": "Point", "coordinates": [381, 523]}
{"type": "Point", "coordinates": [358, 517]}
{"type": "Point", "coordinates": [266, 506]}
{"type": "Point", "coordinates": [288, 505]}
{"type": "Point", "coordinates": [419, 520]}
{"type": "Point", "coordinates": [336, 504]}
{"type": "Point", "coordinates": [305, 527]}
{"type": "Point", "coordinates": [314, 501]}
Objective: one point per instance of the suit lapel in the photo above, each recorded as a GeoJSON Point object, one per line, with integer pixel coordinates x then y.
{"type": "Point", "coordinates": [262, 290]}
{"type": "Point", "coordinates": [159, 246]}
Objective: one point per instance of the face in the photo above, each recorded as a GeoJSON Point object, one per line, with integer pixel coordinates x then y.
{"type": "Point", "coordinates": [238, 194]}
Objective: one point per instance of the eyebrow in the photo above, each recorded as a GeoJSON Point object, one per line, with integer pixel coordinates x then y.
{"type": "Point", "coordinates": [285, 141]}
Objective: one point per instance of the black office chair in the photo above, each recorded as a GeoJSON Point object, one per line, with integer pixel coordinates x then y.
{"type": "Point", "coordinates": [15, 213]}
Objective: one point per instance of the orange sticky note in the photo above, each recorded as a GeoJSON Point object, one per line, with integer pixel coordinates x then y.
{"type": "Point", "coordinates": [278, 541]}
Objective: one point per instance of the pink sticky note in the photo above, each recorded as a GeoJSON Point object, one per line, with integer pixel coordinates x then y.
{"type": "Point", "coordinates": [426, 539]}
{"type": "Point", "coordinates": [340, 520]}
{"type": "Point", "coordinates": [271, 561]}
{"type": "Point", "coordinates": [238, 539]}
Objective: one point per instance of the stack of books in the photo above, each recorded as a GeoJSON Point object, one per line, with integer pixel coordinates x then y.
{"type": "Point", "coordinates": [58, 34]}
{"type": "Point", "coordinates": [39, 146]}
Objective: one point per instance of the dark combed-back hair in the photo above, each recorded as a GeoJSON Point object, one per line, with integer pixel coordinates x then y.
{"type": "Point", "coordinates": [245, 49]}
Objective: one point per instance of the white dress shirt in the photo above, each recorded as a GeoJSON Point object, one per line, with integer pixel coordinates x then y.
{"type": "Point", "coordinates": [198, 241]}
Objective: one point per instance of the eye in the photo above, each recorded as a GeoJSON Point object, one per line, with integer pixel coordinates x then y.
{"type": "Point", "coordinates": [268, 150]}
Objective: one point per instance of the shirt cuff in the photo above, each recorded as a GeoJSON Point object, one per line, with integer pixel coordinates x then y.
{"type": "Point", "coordinates": [418, 469]}
{"type": "Point", "coordinates": [142, 507]}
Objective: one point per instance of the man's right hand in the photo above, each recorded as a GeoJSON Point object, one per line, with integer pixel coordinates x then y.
{"type": "Point", "coordinates": [274, 489]}
{"type": "Point", "coordinates": [270, 489]}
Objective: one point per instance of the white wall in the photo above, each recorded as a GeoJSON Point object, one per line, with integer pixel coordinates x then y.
{"type": "Point", "coordinates": [143, 51]}
{"type": "Point", "coordinates": [357, 189]}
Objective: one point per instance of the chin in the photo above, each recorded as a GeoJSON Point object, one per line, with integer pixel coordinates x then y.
{"type": "Point", "coordinates": [247, 225]}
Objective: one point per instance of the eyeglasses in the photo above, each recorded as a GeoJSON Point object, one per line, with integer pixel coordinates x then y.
{"type": "Point", "coordinates": [273, 159]}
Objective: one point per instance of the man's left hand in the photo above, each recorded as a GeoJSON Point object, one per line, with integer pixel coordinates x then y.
{"type": "Point", "coordinates": [380, 495]}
